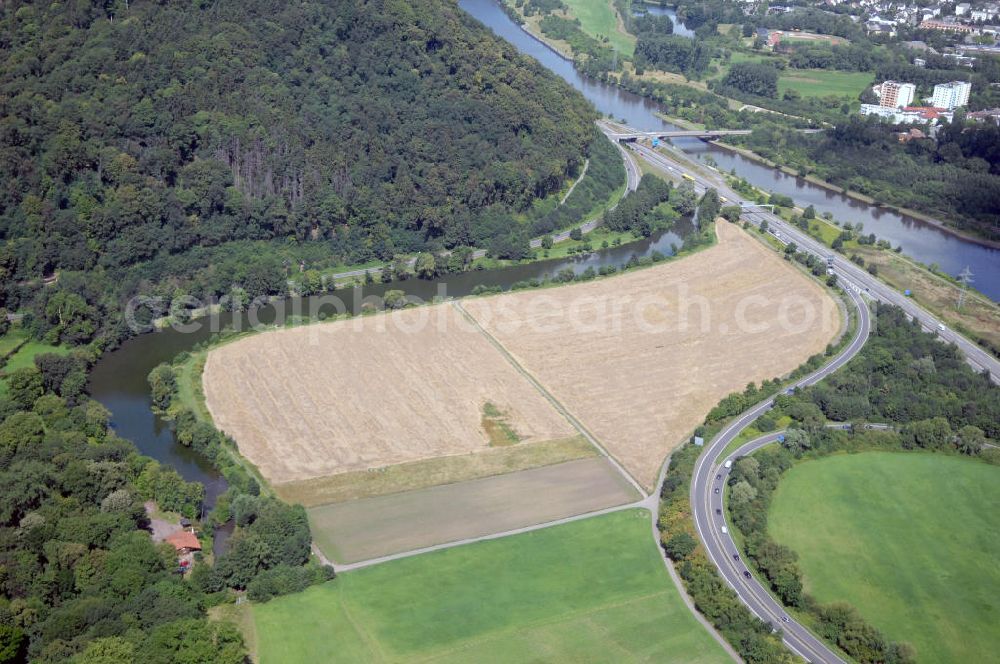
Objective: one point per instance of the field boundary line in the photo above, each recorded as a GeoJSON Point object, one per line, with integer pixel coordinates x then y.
{"type": "Point", "coordinates": [639, 504]}
{"type": "Point", "coordinates": [373, 644]}
{"type": "Point", "coordinates": [577, 424]}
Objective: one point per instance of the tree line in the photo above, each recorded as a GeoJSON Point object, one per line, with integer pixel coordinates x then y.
{"type": "Point", "coordinates": [185, 129]}
{"type": "Point", "coordinates": [958, 172]}
{"type": "Point", "coordinates": [904, 377]}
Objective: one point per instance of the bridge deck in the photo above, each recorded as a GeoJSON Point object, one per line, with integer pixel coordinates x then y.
{"type": "Point", "coordinates": [687, 133]}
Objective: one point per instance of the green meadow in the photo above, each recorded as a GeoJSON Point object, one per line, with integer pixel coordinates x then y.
{"type": "Point", "coordinates": [593, 590]}
{"type": "Point", "coordinates": [911, 540]}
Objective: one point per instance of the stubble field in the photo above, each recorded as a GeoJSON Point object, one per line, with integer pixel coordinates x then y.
{"type": "Point", "coordinates": [640, 359]}
{"type": "Point", "coordinates": [369, 392]}
{"type": "Point", "coordinates": [637, 360]}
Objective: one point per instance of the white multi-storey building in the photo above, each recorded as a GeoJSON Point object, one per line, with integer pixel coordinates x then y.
{"type": "Point", "coordinates": [951, 95]}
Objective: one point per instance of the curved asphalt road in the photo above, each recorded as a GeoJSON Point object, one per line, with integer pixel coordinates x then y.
{"type": "Point", "coordinates": [705, 178]}
{"type": "Point", "coordinates": [710, 476]}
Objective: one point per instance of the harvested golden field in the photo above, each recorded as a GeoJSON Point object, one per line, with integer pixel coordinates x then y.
{"type": "Point", "coordinates": [640, 359]}
{"type": "Point", "coordinates": [369, 392]}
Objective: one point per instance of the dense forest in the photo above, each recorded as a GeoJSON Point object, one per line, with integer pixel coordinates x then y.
{"type": "Point", "coordinates": [134, 131]}
{"type": "Point", "coordinates": [159, 147]}
{"type": "Point", "coordinates": [81, 579]}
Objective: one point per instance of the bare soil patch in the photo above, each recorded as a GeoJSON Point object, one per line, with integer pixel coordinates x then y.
{"type": "Point", "coordinates": [363, 529]}
{"type": "Point", "coordinates": [641, 358]}
{"type": "Point", "coordinates": [369, 392]}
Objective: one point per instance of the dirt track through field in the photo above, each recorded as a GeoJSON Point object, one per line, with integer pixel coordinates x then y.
{"type": "Point", "coordinates": [640, 359]}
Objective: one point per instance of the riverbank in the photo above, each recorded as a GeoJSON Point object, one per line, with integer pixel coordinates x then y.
{"type": "Point", "coordinates": [188, 397]}
{"type": "Point", "coordinates": [812, 179]}
{"type": "Point", "coordinates": [979, 317]}
{"type": "Point", "coordinates": [531, 29]}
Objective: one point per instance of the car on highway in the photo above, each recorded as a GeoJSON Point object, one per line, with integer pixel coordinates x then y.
{"type": "Point", "coordinates": [941, 327]}
{"type": "Point", "coordinates": [784, 619]}
{"type": "Point", "coordinates": [716, 489]}
{"type": "Point", "coordinates": [719, 476]}
{"type": "Point", "coordinates": [718, 510]}
{"type": "Point", "coordinates": [747, 574]}
{"type": "Point", "coordinates": [736, 556]}
{"type": "Point", "coordinates": [728, 463]}
{"type": "Point", "coordinates": [725, 531]}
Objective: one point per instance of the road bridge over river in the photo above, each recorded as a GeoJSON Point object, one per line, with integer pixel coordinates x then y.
{"type": "Point", "coordinates": [630, 136]}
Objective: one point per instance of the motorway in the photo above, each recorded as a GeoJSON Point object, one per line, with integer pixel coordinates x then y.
{"type": "Point", "coordinates": [708, 486]}
{"type": "Point", "coordinates": [978, 359]}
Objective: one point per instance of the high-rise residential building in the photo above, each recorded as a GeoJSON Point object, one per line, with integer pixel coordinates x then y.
{"type": "Point", "coordinates": [896, 95]}
{"type": "Point", "coordinates": [951, 95]}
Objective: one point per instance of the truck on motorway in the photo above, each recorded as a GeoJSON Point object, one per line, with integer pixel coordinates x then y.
{"type": "Point", "coordinates": [728, 463]}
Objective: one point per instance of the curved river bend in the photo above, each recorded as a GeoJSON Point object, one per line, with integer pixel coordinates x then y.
{"type": "Point", "coordinates": [924, 242]}
{"type": "Point", "coordinates": [119, 379]}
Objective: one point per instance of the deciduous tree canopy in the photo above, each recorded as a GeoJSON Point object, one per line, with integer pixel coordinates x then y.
{"type": "Point", "coordinates": [134, 130]}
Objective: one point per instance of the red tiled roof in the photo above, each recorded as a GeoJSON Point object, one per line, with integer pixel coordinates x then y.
{"type": "Point", "coordinates": [184, 539]}
{"type": "Point", "coordinates": [926, 112]}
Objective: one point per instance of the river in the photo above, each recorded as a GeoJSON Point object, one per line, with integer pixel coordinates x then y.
{"type": "Point", "coordinates": [119, 379]}
{"type": "Point", "coordinates": [920, 240]}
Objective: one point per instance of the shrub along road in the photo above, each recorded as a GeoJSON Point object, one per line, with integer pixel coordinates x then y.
{"type": "Point", "coordinates": [719, 545]}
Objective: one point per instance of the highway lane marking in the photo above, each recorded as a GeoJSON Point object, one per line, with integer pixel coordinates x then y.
{"type": "Point", "coordinates": [713, 454]}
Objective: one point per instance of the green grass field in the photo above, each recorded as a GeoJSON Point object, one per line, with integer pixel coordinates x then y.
{"type": "Point", "coordinates": [824, 82]}
{"type": "Point", "coordinates": [598, 19]}
{"type": "Point", "coordinates": [807, 82]}
{"type": "Point", "coordinates": [590, 591]}
{"type": "Point", "coordinates": [25, 356]}
{"type": "Point", "coordinates": [12, 340]}
{"type": "Point", "coordinates": [911, 540]}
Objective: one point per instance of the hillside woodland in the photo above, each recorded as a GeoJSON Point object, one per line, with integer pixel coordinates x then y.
{"type": "Point", "coordinates": [148, 130]}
